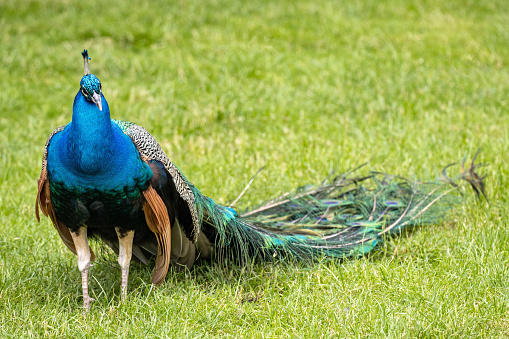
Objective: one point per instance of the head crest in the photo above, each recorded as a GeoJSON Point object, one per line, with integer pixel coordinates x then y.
{"type": "Point", "coordinates": [85, 61]}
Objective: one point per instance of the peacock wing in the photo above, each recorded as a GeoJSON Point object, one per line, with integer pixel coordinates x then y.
{"type": "Point", "coordinates": [184, 205]}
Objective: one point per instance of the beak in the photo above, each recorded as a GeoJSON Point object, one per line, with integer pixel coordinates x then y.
{"type": "Point", "coordinates": [96, 98]}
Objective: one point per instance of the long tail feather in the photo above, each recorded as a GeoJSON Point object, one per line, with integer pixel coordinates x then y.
{"type": "Point", "coordinates": [348, 216]}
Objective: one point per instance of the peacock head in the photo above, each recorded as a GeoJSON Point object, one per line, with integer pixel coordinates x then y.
{"type": "Point", "coordinates": [90, 86]}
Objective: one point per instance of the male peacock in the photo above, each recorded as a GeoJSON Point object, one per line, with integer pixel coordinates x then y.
{"type": "Point", "coordinates": [110, 179]}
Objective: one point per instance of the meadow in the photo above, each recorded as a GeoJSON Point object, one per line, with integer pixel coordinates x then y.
{"type": "Point", "coordinates": [304, 87]}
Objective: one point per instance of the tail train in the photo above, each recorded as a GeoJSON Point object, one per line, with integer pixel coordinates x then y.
{"type": "Point", "coordinates": [349, 216]}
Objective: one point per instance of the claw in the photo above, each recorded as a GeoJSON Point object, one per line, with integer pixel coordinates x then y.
{"type": "Point", "coordinates": [87, 303]}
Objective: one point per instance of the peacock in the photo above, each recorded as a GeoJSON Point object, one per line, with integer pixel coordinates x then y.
{"type": "Point", "coordinates": [110, 179]}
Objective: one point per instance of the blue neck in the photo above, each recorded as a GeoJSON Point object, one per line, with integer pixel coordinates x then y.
{"type": "Point", "coordinates": [91, 139]}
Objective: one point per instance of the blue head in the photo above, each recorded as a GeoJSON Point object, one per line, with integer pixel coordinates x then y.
{"type": "Point", "coordinates": [90, 86]}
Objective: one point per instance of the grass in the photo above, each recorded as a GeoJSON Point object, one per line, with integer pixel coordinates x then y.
{"type": "Point", "coordinates": [303, 86]}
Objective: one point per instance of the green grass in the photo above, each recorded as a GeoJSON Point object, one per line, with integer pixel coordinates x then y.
{"type": "Point", "coordinates": [303, 86]}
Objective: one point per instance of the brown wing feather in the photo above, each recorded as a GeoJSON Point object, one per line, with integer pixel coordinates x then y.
{"type": "Point", "coordinates": [40, 198]}
{"type": "Point", "coordinates": [156, 216]}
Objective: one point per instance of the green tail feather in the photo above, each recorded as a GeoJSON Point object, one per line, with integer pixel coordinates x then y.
{"type": "Point", "coordinates": [348, 217]}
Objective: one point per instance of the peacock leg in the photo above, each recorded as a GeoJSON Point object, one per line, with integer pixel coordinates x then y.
{"type": "Point", "coordinates": [83, 251]}
{"type": "Point", "coordinates": [125, 251]}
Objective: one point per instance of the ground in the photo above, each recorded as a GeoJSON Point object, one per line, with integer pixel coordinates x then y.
{"type": "Point", "coordinates": [305, 87]}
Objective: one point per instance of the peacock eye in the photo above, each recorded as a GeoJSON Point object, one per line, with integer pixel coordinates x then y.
{"type": "Point", "coordinates": [83, 92]}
